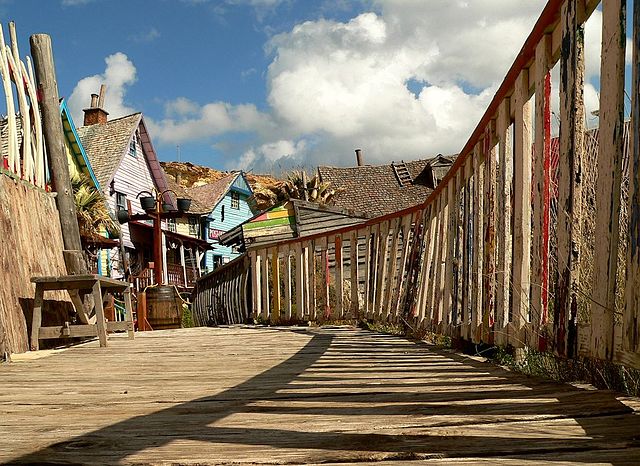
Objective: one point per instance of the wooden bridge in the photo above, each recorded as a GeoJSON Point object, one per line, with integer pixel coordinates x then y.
{"type": "Point", "coordinates": [530, 241]}
{"type": "Point", "coordinates": [291, 395]}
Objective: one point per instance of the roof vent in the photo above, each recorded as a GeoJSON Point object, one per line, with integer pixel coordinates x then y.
{"type": "Point", "coordinates": [402, 173]}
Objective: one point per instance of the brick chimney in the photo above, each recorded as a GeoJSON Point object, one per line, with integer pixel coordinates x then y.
{"type": "Point", "coordinates": [95, 114]}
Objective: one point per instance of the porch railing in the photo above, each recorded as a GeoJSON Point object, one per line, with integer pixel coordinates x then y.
{"type": "Point", "coordinates": [498, 254]}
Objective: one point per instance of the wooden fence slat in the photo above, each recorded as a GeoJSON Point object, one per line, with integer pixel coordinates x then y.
{"type": "Point", "coordinates": [312, 277]}
{"type": "Point", "coordinates": [610, 152]}
{"type": "Point", "coordinates": [339, 277]}
{"type": "Point", "coordinates": [503, 230]}
{"type": "Point", "coordinates": [569, 179]}
{"type": "Point", "coordinates": [393, 264]}
{"type": "Point", "coordinates": [287, 282]}
{"type": "Point", "coordinates": [425, 267]}
{"type": "Point", "coordinates": [467, 249]}
{"type": "Point", "coordinates": [299, 279]}
{"type": "Point", "coordinates": [264, 265]}
{"type": "Point", "coordinates": [275, 281]}
{"type": "Point", "coordinates": [460, 251]}
{"type": "Point", "coordinates": [256, 285]}
{"type": "Point", "coordinates": [437, 259]}
{"type": "Point", "coordinates": [521, 208]}
{"type": "Point", "coordinates": [353, 271]}
{"type": "Point", "coordinates": [489, 227]}
{"type": "Point", "coordinates": [452, 213]}
{"type": "Point", "coordinates": [541, 177]}
{"type": "Point", "coordinates": [382, 268]}
{"type": "Point", "coordinates": [631, 323]}
{"type": "Point", "coordinates": [478, 241]}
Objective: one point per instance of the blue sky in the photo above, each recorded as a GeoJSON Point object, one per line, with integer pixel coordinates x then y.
{"type": "Point", "coordinates": [269, 84]}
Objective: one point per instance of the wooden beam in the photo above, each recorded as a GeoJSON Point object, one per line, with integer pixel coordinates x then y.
{"type": "Point", "coordinates": [100, 324]}
{"type": "Point", "coordinates": [393, 264]}
{"type": "Point", "coordinates": [569, 179]}
{"type": "Point", "coordinates": [381, 279]}
{"type": "Point", "coordinates": [610, 156]}
{"type": "Point", "coordinates": [467, 249]}
{"type": "Point", "coordinates": [521, 207]}
{"type": "Point", "coordinates": [313, 300]}
{"type": "Point", "coordinates": [541, 185]}
{"type": "Point", "coordinates": [631, 319]}
{"type": "Point", "coordinates": [503, 230]}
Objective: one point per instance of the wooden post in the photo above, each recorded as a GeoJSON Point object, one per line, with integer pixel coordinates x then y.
{"type": "Point", "coordinates": [631, 323]}
{"type": "Point", "coordinates": [489, 227]}
{"type": "Point", "coordinates": [36, 321]}
{"type": "Point", "coordinates": [339, 279]}
{"type": "Point", "coordinates": [54, 138]}
{"type": "Point", "coordinates": [287, 283]}
{"type": "Point", "coordinates": [521, 208]}
{"type": "Point", "coordinates": [569, 179]}
{"type": "Point", "coordinates": [275, 280]}
{"type": "Point", "coordinates": [541, 177]}
{"type": "Point", "coordinates": [400, 286]}
{"type": "Point", "coordinates": [300, 305]}
{"type": "Point", "coordinates": [141, 312]}
{"type": "Point", "coordinates": [610, 152]}
{"type": "Point", "coordinates": [264, 266]}
{"type": "Point", "coordinates": [367, 270]}
{"type": "Point", "coordinates": [381, 279]}
{"type": "Point", "coordinates": [436, 271]}
{"type": "Point", "coordinates": [102, 329]}
{"type": "Point", "coordinates": [503, 231]}
{"type": "Point", "coordinates": [256, 284]}
{"type": "Point", "coordinates": [467, 248]}
{"type": "Point", "coordinates": [452, 212]}
{"type": "Point", "coordinates": [353, 250]}
{"type": "Point", "coordinates": [393, 264]}
{"type": "Point", "coordinates": [128, 312]}
{"type": "Point", "coordinates": [478, 242]}
{"type": "Point", "coordinates": [313, 301]}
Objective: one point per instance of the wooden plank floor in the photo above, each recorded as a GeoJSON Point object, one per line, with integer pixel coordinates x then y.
{"type": "Point", "coordinates": [297, 396]}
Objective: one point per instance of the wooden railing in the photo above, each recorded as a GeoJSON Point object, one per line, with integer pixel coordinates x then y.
{"type": "Point", "coordinates": [175, 274]}
{"type": "Point", "coordinates": [495, 254]}
{"type": "Point", "coordinates": [22, 137]}
{"type": "Point", "coordinates": [222, 296]}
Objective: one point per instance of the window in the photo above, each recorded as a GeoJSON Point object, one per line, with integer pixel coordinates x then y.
{"type": "Point", "coordinates": [121, 201]}
{"type": "Point", "coordinates": [172, 224]}
{"type": "Point", "coordinates": [235, 200]}
{"type": "Point", "coordinates": [133, 145]}
{"type": "Point", "coordinates": [193, 226]}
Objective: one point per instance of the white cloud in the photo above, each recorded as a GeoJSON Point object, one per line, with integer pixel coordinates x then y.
{"type": "Point", "coordinates": [145, 36]}
{"type": "Point", "coordinates": [408, 81]}
{"type": "Point", "coordinates": [119, 74]}
{"type": "Point", "coordinates": [187, 121]}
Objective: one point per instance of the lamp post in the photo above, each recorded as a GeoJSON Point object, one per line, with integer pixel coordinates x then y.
{"type": "Point", "coordinates": [156, 210]}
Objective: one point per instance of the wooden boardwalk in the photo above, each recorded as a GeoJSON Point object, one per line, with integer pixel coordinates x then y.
{"type": "Point", "coordinates": [297, 396]}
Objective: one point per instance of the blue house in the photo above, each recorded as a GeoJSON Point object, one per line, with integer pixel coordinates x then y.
{"type": "Point", "coordinates": [224, 206]}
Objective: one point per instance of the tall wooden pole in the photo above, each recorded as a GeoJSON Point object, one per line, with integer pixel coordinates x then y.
{"type": "Point", "coordinates": [59, 166]}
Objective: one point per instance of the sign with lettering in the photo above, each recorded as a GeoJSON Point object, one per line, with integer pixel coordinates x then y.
{"type": "Point", "coordinates": [215, 234]}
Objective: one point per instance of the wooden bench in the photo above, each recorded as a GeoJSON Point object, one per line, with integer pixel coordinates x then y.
{"type": "Point", "coordinates": [98, 286]}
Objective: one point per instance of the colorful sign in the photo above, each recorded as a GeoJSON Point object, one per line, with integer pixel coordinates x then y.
{"type": "Point", "coordinates": [215, 234]}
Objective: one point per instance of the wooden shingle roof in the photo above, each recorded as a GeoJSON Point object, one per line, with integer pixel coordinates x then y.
{"type": "Point", "coordinates": [208, 195]}
{"type": "Point", "coordinates": [377, 189]}
{"type": "Point", "coordinates": [107, 143]}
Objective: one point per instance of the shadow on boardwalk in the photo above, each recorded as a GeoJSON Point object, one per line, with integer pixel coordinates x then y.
{"type": "Point", "coordinates": [467, 418]}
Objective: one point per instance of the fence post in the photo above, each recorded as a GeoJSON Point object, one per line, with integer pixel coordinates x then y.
{"type": "Point", "coordinates": [569, 179]}
{"type": "Point", "coordinates": [610, 152]}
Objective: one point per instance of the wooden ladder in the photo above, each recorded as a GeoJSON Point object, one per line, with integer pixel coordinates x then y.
{"type": "Point", "coordinates": [402, 173]}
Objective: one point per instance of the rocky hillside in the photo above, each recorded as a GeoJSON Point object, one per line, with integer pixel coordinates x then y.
{"type": "Point", "coordinates": [197, 175]}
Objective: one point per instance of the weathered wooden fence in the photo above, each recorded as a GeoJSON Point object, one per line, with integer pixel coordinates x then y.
{"type": "Point", "coordinates": [473, 261]}
{"type": "Point", "coordinates": [22, 150]}
{"type": "Point", "coordinates": [222, 297]}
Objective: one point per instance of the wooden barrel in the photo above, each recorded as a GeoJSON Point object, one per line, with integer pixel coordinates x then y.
{"type": "Point", "coordinates": [164, 307]}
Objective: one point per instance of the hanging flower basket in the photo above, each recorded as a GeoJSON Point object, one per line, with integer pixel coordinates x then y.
{"type": "Point", "coordinates": [184, 204]}
{"type": "Point", "coordinates": [148, 202]}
